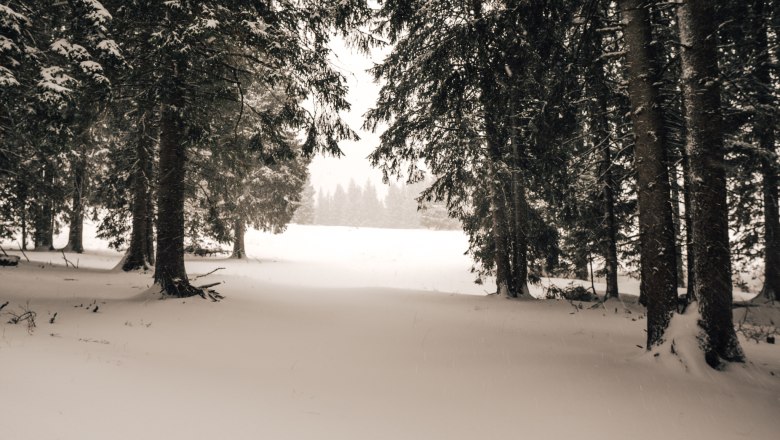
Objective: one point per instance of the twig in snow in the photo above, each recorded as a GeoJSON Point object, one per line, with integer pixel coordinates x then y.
{"type": "Point", "coordinates": [68, 261]}
{"type": "Point", "coordinates": [26, 315]}
{"type": "Point", "coordinates": [207, 274]}
{"type": "Point", "coordinates": [24, 253]}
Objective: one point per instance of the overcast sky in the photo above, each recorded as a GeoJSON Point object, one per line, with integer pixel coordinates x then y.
{"type": "Point", "coordinates": [327, 172]}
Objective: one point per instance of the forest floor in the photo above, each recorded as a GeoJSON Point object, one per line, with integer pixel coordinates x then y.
{"type": "Point", "coordinates": [345, 333]}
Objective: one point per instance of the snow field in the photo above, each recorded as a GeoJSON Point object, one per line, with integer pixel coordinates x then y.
{"type": "Point", "coordinates": [341, 333]}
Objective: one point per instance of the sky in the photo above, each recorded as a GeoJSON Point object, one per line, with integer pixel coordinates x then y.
{"type": "Point", "coordinates": [326, 171]}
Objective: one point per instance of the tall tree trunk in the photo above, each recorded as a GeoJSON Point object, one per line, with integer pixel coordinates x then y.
{"type": "Point", "coordinates": [44, 214]}
{"type": "Point", "coordinates": [690, 255]}
{"type": "Point", "coordinates": [606, 180]}
{"type": "Point", "coordinates": [500, 236]}
{"type": "Point", "coordinates": [23, 214]}
{"type": "Point", "coordinates": [610, 223]}
{"type": "Point", "coordinates": [676, 218]}
{"type": "Point", "coordinates": [76, 232]}
{"type": "Point", "coordinates": [701, 92]}
{"type": "Point", "coordinates": [603, 138]}
{"type": "Point", "coordinates": [520, 214]}
{"type": "Point", "coordinates": [150, 222]}
{"type": "Point", "coordinates": [169, 272]}
{"type": "Point", "coordinates": [140, 254]}
{"type": "Point", "coordinates": [658, 286]}
{"type": "Point", "coordinates": [239, 230]}
{"type": "Point", "coordinates": [764, 129]}
{"type": "Point", "coordinates": [488, 100]}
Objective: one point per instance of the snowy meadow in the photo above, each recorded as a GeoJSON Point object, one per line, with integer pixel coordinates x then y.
{"type": "Point", "coordinates": [321, 336]}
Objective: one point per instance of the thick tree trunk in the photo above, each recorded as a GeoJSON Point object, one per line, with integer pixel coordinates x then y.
{"type": "Point", "coordinates": [520, 216]}
{"type": "Point", "coordinates": [701, 92]}
{"type": "Point", "coordinates": [75, 235]}
{"type": "Point", "coordinates": [764, 129]}
{"type": "Point", "coordinates": [499, 226]}
{"type": "Point", "coordinates": [140, 254]}
{"type": "Point", "coordinates": [239, 229]}
{"type": "Point", "coordinates": [169, 272]}
{"type": "Point", "coordinates": [658, 288]}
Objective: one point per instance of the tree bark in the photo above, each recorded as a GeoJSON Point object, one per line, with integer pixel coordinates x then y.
{"type": "Point", "coordinates": [610, 224]}
{"type": "Point", "coordinates": [76, 232]}
{"type": "Point", "coordinates": [677, 221]}
{"type": "Point", "coordinates": [764, 129]}
{"type": "Point", "coordinates": [169, 272]}
{"type": "Point", "coordinates": [658, 288]}
{"type": "Point", "coordinates": [239, 230]}
{"type": "Point", "coordinates": [140, 254]}
{"type": "Point", "coordinates": [704, 143]}
{"type": "Point", "coordinates": [500, 238]}
{"type": "Point", "coordinates": [488, 99]}
{"type": "Point", "coordinates": [44, 214]}
{"type": "Point", "coordinates": [690, 255]}
{"type": "Point", "coordinates": [520, 213]}
{"type": "Point", "coordinates": [606, 180]}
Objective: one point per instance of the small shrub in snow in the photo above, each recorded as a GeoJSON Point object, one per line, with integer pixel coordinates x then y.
{"type": "Point", "coordinates": [570, 293]}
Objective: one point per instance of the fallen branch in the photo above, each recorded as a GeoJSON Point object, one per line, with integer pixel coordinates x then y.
{"type": "Point", "coordinates": [207, 274]}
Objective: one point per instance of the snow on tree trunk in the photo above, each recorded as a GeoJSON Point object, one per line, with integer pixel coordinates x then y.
{"type": "Point", "coordinates": [709, 211]}
{"type": "Point", "coordinates": [658, 289]}
{"type": "Point", "coordinates": [689, 251]}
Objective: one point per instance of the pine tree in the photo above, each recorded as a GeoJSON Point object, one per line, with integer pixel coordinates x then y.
{"type": "Point", "coordinates": [701, 92]}
{"type": "Point", "coordinates": [305, 214]}
{"type": "Point", "coordinates": [203, 57]}
{"type": "Point", "coordinates": [658, 262]}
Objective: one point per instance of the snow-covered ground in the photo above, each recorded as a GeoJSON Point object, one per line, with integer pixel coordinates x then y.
{"type": "Point", "coordinates": [343, 333]}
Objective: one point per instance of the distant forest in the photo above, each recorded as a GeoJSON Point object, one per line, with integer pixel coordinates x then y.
{"type": "Point", "coordinates": [361, 206]}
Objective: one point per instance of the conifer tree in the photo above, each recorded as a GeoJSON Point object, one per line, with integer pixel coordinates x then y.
{"type": "Point", "coordinates": [701, 91]}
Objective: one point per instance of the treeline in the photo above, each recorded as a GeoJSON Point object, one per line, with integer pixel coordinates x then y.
{"type": "Point", "coordinates": [567, 132]}
{"type": "Point", "coordinates": [361, 206]}
{"type": "Point", "coordinates": [168, 121]}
